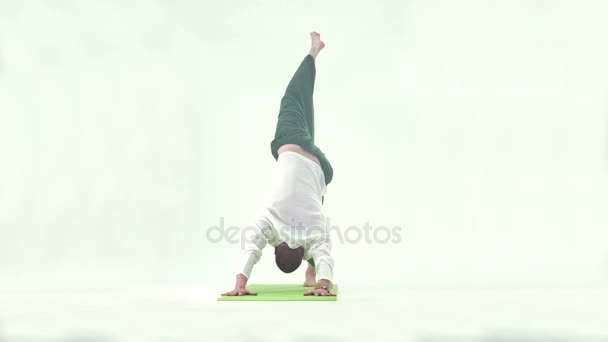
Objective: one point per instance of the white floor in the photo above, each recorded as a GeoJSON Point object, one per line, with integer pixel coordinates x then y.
{"type": "Point", "coordinates": [191, 313]}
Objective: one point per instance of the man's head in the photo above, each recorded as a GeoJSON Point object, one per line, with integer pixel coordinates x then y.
{"type": "Point", "coordinates": [288, 259]}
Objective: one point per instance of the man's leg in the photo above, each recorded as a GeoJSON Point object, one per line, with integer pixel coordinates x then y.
{"type": "Point", "coordinates": [295, 124]}
{"type": "Point", "coordinates": [298, 97]}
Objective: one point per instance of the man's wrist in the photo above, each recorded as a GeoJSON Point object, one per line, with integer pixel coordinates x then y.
{"type": "Point", "coordinates": [241, 281]}
{"type": "Point", "coordinates": [323, 284]}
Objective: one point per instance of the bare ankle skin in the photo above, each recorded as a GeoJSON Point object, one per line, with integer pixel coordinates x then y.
{"type": "Point", "coordinates": [316, 45]}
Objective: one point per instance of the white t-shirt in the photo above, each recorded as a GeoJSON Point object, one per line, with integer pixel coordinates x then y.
{"type": "Point", "coordinates": [293, 213]}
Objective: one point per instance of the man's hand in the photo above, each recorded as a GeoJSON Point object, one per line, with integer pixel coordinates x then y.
{"type": "Point", "coordinates": [321, 289]}
{"type": "Point", "coordinates": [319, 292]}
{"type": "Point", "coordinates": [239, 288]}
{"type": "Point", "coordinates": [240, 292]}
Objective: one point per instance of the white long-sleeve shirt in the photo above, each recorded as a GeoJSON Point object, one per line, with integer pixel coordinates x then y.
{"type": "Point", "coordinates": [293, 213]}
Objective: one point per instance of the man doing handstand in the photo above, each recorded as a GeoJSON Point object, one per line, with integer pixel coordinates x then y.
{"type": "Point", "coordinates": [293, 220]}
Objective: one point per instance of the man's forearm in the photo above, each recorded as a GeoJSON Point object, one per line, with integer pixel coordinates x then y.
{"type": "Point", "coordinates": [241, 281]}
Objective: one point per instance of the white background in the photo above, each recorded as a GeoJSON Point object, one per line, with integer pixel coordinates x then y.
{"type": "Point", "coordinates": [127, 129]}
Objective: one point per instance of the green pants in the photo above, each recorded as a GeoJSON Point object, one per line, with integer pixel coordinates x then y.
{"type": "Point", "coordinates": [296, 122]}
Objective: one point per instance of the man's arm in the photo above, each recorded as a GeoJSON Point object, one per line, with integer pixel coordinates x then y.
{"type": "Point", "coordinates": [324, 264]}
{"type": "Point", "coordinates": [254, 240]}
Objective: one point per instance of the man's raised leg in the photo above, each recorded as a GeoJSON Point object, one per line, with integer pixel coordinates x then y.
{"type": "Point", "coordinates": [298, 98]}
{"type": "Point", "coordinates": [296, 123]}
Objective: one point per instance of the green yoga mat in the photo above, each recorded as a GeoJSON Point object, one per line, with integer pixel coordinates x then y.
{"type": "Point", "coordinates": [281, 292]}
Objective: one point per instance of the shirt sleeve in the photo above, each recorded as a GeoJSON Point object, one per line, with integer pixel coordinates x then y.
{"type": "Point", "coordinates": [254, 239]}
{"type": "Point", "coordinates": [324, 262]}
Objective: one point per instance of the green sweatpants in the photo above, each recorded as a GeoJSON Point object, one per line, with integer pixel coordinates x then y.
{"type": "Point", "coordinates": [296, 122]}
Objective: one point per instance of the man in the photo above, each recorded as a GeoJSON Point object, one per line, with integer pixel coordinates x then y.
{"type": "Point", "coordinates": [292, 221]}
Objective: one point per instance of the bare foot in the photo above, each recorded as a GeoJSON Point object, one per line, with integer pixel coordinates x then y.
{"type": "Point", "coordinates": [316, 45]}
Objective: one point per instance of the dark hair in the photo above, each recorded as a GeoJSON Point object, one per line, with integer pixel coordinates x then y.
{"type": "Point", "coordinates": [288, 259]}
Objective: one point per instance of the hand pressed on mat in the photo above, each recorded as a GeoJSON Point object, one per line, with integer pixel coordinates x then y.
{"type": "Point", "coordinates": [240, 288]}
{"type": "Point", "coordinates": [319, 292]}
{"type": "Point", "coordinates": [321, 289]}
